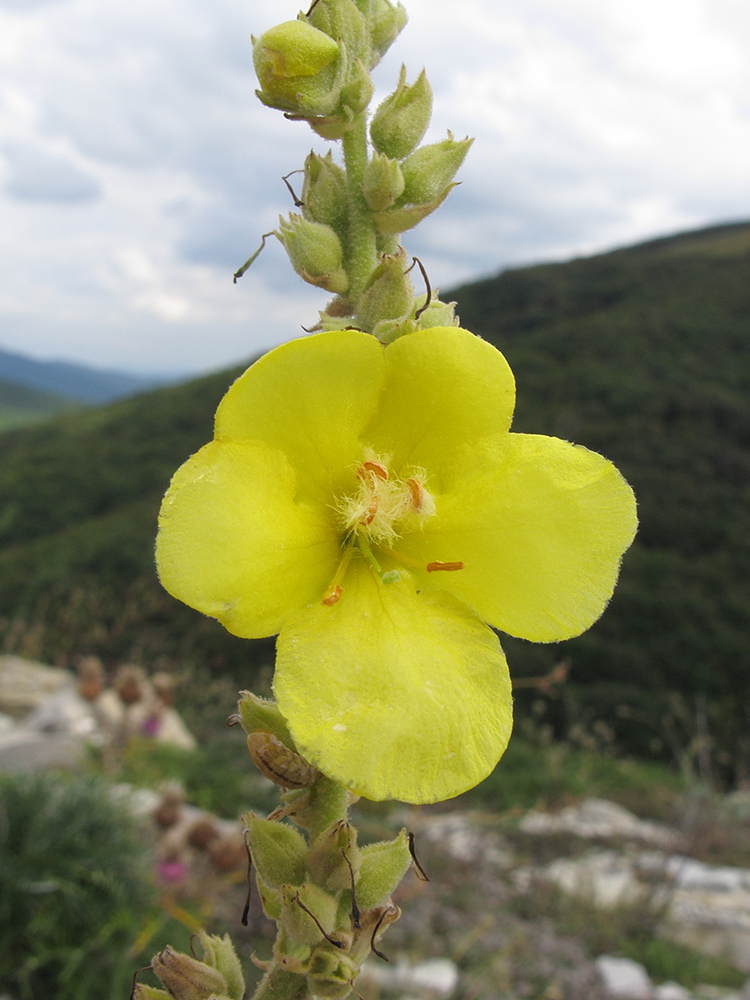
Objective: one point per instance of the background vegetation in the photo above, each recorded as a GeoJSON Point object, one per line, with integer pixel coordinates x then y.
{"type": "Point", "coordinates": [640, 354]}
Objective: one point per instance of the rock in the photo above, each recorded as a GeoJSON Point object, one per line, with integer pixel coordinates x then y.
{"type": "Point", "coordinates": [25, 752]}
{"type": "Point", "coordinates": [600, 818]}
{"type": "Point", "coordinates": [671, 991]}
{"type": "Point", "coordinates": [464, 840]}
{"type": "Point", "coordinates": [435, 978]}
{"type": "Point", "coordinates": [25, 684]}
{"type": "Point", "coordinates": [624, 979]}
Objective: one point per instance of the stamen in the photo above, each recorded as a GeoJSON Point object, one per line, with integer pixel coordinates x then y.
{"type": "Point", "coordinates": [449, 566]}
{"type": "Point", "coordinates": [370, 515]}
{"type": "Point", "coordinates": [335, 589]}
{"type": "Point", "coordinates": [374, 467]}
{"type": "Point", "coordinates": [416, 489]}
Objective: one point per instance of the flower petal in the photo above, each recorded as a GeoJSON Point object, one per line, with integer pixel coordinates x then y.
{"type": "Point", "coordinates": [310, 398]}
{"type": "Point", "coordinates": [541, 526]}
{"type": "Point", "coordinates": [392, 693]}
{"type": "Point", "coordinates": [233, 543]}
{"type": "Point", "coordinates": [445, 389]}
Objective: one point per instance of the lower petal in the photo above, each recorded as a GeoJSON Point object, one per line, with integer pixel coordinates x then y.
{"type": "Point", "coordinates": [393, 693]}
{"type": "Point", "coordinates": [233, 543]}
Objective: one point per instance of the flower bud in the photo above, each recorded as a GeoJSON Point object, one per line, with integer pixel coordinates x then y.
{"type": "Point", "coordinates": [324, 192]}
{"type": "Point", "coordinates": [262, 714]}
{"type": "Point", "coordinates": [383, 866]}
{"type": "Point", "coordinates": [399, 218]}
{"type": "Point", "coordinates": [383, 182]}
{"type": "Point", "coordinates": [386, 23]}
{"type": "Point", "coordinates": [437, 313]}
{"type": "Point", "coordinates": [334, 857]}
{"type": "Point", "coordinates": [356, 92]}
{"type": "Point", "coordinates": [278, 851]}
{"type": "Point", "coordinates": [305, 910]}
{"type": "Point", "coordinates": [389, 293]}
{"type": "Point", "coordinates": [402, 119]}
{"type": "Point", "coordinates": [342, 20]}
{"type": "Point", "coordinates": [299, 68]}
{"type": "Point", "coordinates": [219, 953]}
{"type": "Point", "coordinates": [185, 978]}
{"type": "Point", "coordinates": [429, 170]}
{"type": "Point", "coordinates": [331, 973]}
{"type": "Point", "coordinates": [315, 252]}
{"type": "Point", "coordinates": [143, 992]}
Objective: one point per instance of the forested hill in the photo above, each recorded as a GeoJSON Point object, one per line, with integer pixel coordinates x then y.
{"type": "Point", "coordinates": [641, 354]}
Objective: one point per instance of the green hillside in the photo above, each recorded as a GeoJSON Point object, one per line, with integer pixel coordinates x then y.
{"type": "Point", "coordinates": [641, 354]}
{"type": "Point", "coordinates": [21, 405]}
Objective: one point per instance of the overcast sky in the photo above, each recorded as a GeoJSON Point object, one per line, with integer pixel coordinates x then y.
{"type": "Point", "coordinates": [138, 170]}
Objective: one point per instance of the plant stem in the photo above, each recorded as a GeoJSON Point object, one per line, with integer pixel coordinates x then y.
{"type": "Point", "coordinates": [361, 255]}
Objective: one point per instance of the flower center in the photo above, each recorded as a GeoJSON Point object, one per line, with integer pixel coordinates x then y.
{"type": "Point", "coordinates": [380, 511]}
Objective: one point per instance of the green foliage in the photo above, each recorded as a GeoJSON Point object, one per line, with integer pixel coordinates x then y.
{"type": "Point", "coordinates": [21, 405]}
{"type": "Point", "coordinates": [74, 890]}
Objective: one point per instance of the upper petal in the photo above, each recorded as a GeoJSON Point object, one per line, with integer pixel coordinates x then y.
{"type": "Point", "coordinates": [541, 526]}
{"type": "Point", "coordinates": [234, 544]}
{"type": "Point", "coordinates": [394, 694]}
{"type": "Point", "coordinates": [445, 389]}
{"type": "Point", "coordinates": [310, 398]}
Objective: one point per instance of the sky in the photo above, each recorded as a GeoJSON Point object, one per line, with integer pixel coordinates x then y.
{"type": "Point", "coordinates": [138, 170]}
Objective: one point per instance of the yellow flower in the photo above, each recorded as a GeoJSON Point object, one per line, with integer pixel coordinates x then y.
{"type": "Point", "coordinates": [370, 505]}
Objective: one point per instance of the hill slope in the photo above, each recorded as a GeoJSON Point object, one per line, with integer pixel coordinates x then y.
{"type": "Point", "coordinates": [21, 405]}
{"type": "Point", "coordinates": [74, 382]}
{"type": "Point", "coordinates": [640, 354]}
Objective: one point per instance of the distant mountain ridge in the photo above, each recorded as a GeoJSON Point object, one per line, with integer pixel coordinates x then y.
{"type": "Point", "coordinates": [80, 383]}
{"type": "Point", "coordinates": [640, 354]}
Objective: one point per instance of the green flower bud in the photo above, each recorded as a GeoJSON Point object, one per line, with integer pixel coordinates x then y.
{"type": "Point", "coordinates": [402, 119]}
{"type": "Point", "coordinates": [389, 293]}
{"type": "Point", "coordinates": [429, 170]}
{"type": "Point", "coordinates": [300, 69]}
{"type": "Point", "coordinates": [280, 984]}
{"type": "Point", "coordinates": [142, 992]}
{"type": "Point", "coordinates": [324, 192]}
{"type": "Point", "coordinates": [262, 714]}
{"type": "Point", "coordinates": [315, 252]}
{"type": "Point", "coordinates": [305, 909]}
{"type": "Point", "coordinates": [386, 23]}
{"type": "Point", "coordinates": [270, 899]}
{"type": "Point", "coordinates": [437, 313]}
{"type": "Point", "coordinates": [383, 866]}
{"type": "Point", "coordinates": [402, 217]}
{"type": "Point", "coordinates": [185, 978]}
{"type": "Point", "coordinates": [388, 330]}
{"type": "Point", "coordinates": [278, 851]}
{"type": "Point", "coordinates": [219, 953]}
{"type": "Point", "coordinates": [331, 856]}
{"type": "Point", "coordinates": [331, 973]}
{"type": "Point", "coordinates": [383, 182]}
{"type": "Point", "coordinates": [356, 92]}
{"type": "Point", "coordinates": [341, 19]}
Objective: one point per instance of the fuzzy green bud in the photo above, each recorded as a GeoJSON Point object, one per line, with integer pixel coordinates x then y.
{"type": "Point", "coordinates": [331, 973]}
{"type": "Point", "coordinates": [389, 293]}
{"type": "Point", "coordinates": [270, 899]}
{"type": "Point", "coordinates": [343, 21]}
{"type": "Point", "coordinates": [299, 68]}
{"type": "Point", "coordinates": [305, 909]}
{"type": "Point", "coordinates": [429, 170]}
{"type": "Point", "coordinates": [314, 251]}
{"type": "Point", "coordinates": [356, 92]}
{"type": "Point", "coordinates": [402, 217]}
{"type": "Point", "coordinates": [324, 193]}
{"type": "Point", "coordinates": [387, 21]}
{"type": "Point", "coordinates": [281, 984]}
{"type": "Point", "coordinates": [402, 119]}
{"type": "Point", "coordinates": [219, 953]}
{"type": "Point", "coordinates": [185, 978]}
{"type": "Point", "coordinates": [383, 182]}
{"type": "Point", "coordinates": [383, 866]}
{"type": "Point", "coordinates": [437, 313]}
{"type": "Point", "coordinates": [278, 851]}
{"type": "Point", "coordinates": [262, 714]}
{"type": "Point", "coordinates": [143, 992]}
{"type": "Point", "coordinates": [334, 857]}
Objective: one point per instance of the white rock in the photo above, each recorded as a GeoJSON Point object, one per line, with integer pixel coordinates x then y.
{"type": "Point", "coordinates": [599, 818]}
{"type": "Point", "coordinates": [436, 978]}
{"type": "Point", "coordinates": [671, 991]}
{"type": "Point", "coordinates": [624, 979]}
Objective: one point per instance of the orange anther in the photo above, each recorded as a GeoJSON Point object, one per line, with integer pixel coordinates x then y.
{"type": "Point", "coordinates": [374, 468]}
{"type": "Point", "coordinates": [333, 595]}
{"type": "Point", "coordinates": [417, 493]}
{"type": "Point", "coordinates": [450, 566]}
{"type": "Point", "coordinates": [370, 515]}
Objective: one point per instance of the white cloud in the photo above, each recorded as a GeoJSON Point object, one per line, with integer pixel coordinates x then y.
{"type": "Point", "coordinates": [137, 170]}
